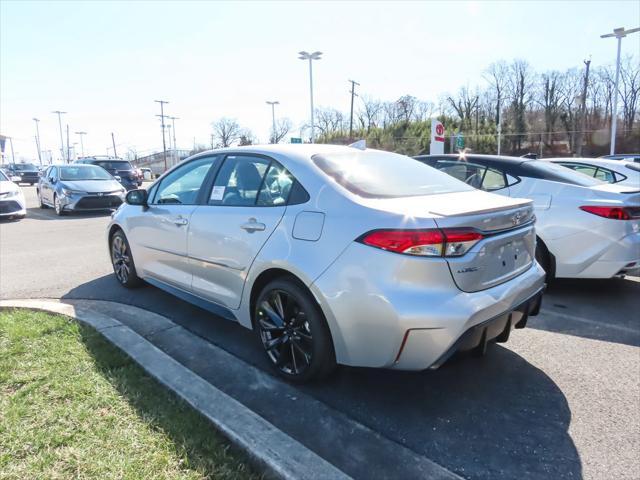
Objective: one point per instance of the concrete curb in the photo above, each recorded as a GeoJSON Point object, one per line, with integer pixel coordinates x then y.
{"type": "Point", "coordinates": [273, 451]}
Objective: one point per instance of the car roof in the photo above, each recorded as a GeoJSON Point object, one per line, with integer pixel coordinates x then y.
{"type": "Point", "coordinates": [499, 159]}
{"type": "Point", "coordinates": [593, 161]}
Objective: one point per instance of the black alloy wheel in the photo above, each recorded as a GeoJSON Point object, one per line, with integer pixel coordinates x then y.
{"type": "Point", "coordinates": [293, 332]}
{"type": "Point", "coordinates": [122, 261]}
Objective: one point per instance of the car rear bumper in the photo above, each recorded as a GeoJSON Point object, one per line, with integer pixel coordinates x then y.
{"type": "Point", "coordinates": [393, 311]}
{"type": "Point", "coordinates": [622, 257]}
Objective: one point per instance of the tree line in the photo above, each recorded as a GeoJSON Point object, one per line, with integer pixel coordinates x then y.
{"type": "Point", "coordinates": [550, 113]}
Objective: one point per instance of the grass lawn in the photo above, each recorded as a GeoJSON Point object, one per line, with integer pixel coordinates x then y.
{"type": "Point", "coordinates": [74, 406]}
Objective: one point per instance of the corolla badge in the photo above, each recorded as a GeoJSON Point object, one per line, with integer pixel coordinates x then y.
{"type": "Point", "coordinates": [517, 218]}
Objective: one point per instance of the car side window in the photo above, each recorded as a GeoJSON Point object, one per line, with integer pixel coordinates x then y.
{"type": "Point", "coordinates": [239, 181]}
{"type": "Point", "coordinates": [493, 180]}
{"type": "Point", "coordinates": [467, 172]}
{"type": "Point", "coordinates": [53, 175]}
{"type": "Point", "coordinates": [605, 175]}
{"type": "Point", "coordinates": [182, 186]}
{"type": "Point", "coordinates": [276, 187]}
{"type": "Point", "coordinates": [584, 169]}
{"type": "Point", "coordinates": [511, 180]}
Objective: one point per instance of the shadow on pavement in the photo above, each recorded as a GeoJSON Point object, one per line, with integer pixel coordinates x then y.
{"type": "Point", "coordinates": [50, 214]}
{"type": "Point", "coordinates": [600, 309]}
{"type": "Point", "coordinates": [497, 417]}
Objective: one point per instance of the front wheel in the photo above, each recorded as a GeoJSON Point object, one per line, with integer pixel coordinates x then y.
{"type": "Point", "coordinates": [122, 261]}
{"type": "Point", "coordinates": [58, 206]}
{"type": "Point", "coordinates": [293, 331]}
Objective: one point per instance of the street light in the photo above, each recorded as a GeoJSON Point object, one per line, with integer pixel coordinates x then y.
{"type": "Point", "coordinates": [37, 120]}
{"type": "Point", "coordinates": [619, 33]}
{"type": "Point", "coordinates": [59, 113]}
{"type": "Point", "coordinates": [273, 119]}
{"type": "Point", "coordinates": [81, 134]}
{"type": "Point", "coordinates": [311, 57]}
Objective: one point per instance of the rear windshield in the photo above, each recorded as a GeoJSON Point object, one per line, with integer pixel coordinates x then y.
{"type": "Point", "coordinates": [114, 165]}
{"type": "Point", "coordinates": [25, 166]}
{"type": "Point", "coordinates": [89, 172]}
{"type": "Point", "coordinates": [376, 174]}
{"type": "Point", "coordinates": [558, 173]}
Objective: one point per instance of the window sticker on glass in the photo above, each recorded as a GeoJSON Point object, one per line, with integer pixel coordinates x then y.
{"type": "Point", "coordinates": [217, 193]}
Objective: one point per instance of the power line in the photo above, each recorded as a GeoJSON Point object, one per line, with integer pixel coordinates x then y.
{"type": "Point", "coordinates": [164, 143]}
{"type": "Point", "coordinates": [353, 94]}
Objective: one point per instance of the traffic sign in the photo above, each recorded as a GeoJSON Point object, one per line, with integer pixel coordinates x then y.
{"type": "Point", "coordinates": [437, 137]}
{"type": "Point", "coordinates": [460, 141]}
{"type": "Point", "coordinates": [296, 140]}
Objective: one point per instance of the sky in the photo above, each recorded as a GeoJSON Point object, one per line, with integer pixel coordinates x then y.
{"type": "Point", "coordinates": [106, 62]}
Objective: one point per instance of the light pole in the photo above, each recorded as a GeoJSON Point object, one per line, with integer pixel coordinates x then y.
{"type": "Point", "coordinates": [81, 134]}
{"type": "Point", "coordinates": [353, 94]}
{"type": "Point", "coordinates": [38, 140]}
{"type": "Point", "coordinates": [311, 57]}
{"type": "Point", "coordinates": [619, 33]}
{"type": "Point", "coordinates": [164, 143]}
{"type": "Point", "coordinates": [273, 119]}
{"type": "Point", "coordinates": [59, 113]}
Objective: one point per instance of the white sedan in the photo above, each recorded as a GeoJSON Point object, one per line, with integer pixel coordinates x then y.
{"type": "Point", "coordinates": [12, 203]}
{"type": "Point", "coordinates": [611, 171]}
{"type": "Point", "coordinates": [585, 228]}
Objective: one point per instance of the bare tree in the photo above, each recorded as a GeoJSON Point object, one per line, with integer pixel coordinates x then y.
{"type": "Point", "coordinates": [246, 137]}
{"type": "Point", "coordinates": [282, 128]}
{"type": "Point", "coordinates": [329, 121]}
{"type": "Point", "coordinates": [465, 104]}
{"type": "Point", "coordinates": [498, 75]}
{"type": "Point", "coordinates": [570, 102]}
{"type": "Point", "coordinates": [226, 131]}
{"type": "Point", "coordinates": [630, 83]}
{"type": "Point", "coordinates": [520, 88]}
{"type": "Point", "coordinates": [406, 108]}
{"type": "Point", "coordinates": [550, 99]}
{"type": "Point", "coordinates": [369, 114]}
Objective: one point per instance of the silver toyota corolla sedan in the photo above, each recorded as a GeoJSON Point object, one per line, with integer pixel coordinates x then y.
{"type": "Point", "coordinates": [334, 255]}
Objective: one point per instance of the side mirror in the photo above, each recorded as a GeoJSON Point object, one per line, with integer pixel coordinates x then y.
{"type": "Point", "coordinates": [52, 180]}
{"type": "Point", "coordinates": [137, 197]}
{"type": "Point", "coordinates": [40, 174]}
{"type": "Point", "coordinates": [118, 177]}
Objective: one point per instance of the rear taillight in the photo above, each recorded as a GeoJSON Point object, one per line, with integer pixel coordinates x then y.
{"type": "Point", "coordinates": [427, 243]}
{"type": "Point", "coordinates": [614, 213]}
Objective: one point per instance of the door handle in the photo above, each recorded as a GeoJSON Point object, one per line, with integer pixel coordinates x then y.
{"type": "Point", "coordinates": [179, 221]}
{"type": "Point", "coordinates": [253, 226]}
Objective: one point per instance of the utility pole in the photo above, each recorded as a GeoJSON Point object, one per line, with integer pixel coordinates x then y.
{"type": "Point", "coordinates": [583, 110]}
{"type": "Point", "coordinates": [59, 113]}
{"type": "Point", "coordinates": [212, 141]}
{"type": "Point", "coordinates": [499, 126]}
{"type": "Point", "coordinates": [68, 146]}
{"type": "Point", "coordinates": [173, 129]}
{"type": "Point", "coordinates": [38, 140]}
{"type": "Point", "coordinates": [13, 157]}
{"type": "Point", "coordinates": [353, 94]}
{"type": "Point", "coordinates": [619, 33]}
{"type": "Point", "coordinates": [81, 134]}
{"type": "Point", "coordinates": [273, 119]}
{"type": "Point", "coordinates": [164, 143]}
{"type": "Point", "coordinates": [113, 142]}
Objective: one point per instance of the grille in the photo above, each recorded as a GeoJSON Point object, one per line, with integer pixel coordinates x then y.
{"type": "Point", "coordinates": [9, 207]}
{"type": "Point", "coordinates": [106, 201]}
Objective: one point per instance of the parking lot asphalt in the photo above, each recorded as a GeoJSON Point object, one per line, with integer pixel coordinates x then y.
{"type": "Point", "coordinates": [560, 400]}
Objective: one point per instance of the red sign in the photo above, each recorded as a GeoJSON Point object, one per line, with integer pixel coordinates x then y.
{"type": "Point", "coordinates": [439, 136]}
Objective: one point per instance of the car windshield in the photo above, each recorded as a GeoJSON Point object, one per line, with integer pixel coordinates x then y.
{"type": "Point", "coordinates": [25, 166]}
{"type": "Point", "coordinates": [114, 165]}
{"type": "Point", "coordinates": [376, 174]}
{"type": "Point", "coordinates": [88, 172]}
{"type": "Point", "coordinates": [558, 173]}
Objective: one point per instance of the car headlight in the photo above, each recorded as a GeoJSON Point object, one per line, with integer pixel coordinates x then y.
{"type": "Point", "coordinates": [69, 192]}
{"type": "Point", "coordinates": [11, 194]}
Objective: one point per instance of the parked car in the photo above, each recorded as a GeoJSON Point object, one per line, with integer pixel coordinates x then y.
{"type": "Point", "coordinates": [122, 170]}
{"type": "Point", "coordinates": [12, 203]}
{"type": "Point", "coordinates": [334, 254]}
{"type": "Point", "coordinates": [23, 172]}
{"type": "Point", "coordinates": [147, 173]}
{"type": "Point", "coordinates": [628, 157]}
{"type": "Point", "coordinates": [586, 228]}
{"type": "Point", "coordinates": [79, 187]}
{"type": "Point", "coordinates": [610, 171]}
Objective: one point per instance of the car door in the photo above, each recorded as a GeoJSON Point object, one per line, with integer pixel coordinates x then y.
{"type": "Point", "coordinates": [42, 183]}
{"type": "Point", "coordinates": [245, 204]}
{"type": "Point", "coordinates": [49, 185]}
{"type": "Point", "coordinates": [159, 232]}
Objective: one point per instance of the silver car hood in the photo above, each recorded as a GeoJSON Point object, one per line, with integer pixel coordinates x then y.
{"type": "Point", "coordinates": [92, 186]}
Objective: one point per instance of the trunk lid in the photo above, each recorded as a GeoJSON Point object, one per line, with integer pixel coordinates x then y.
{"type": "Point", "coordinates": [507, 248]}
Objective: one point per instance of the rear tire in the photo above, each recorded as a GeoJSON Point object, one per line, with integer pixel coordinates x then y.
{"type": "Point", "coordinates": [42, 205]}
{"type": "Point", "coordinates": [293, 332]}
{"type": "Point", "coordinates": [122, 261]}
